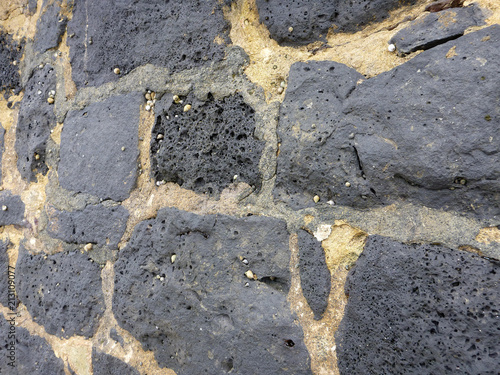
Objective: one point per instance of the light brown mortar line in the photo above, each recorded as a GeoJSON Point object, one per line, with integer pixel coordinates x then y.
{"type": "Point", "coordinates": [18, 24]}
{"type": "Point", "coordinates": [132, 352]}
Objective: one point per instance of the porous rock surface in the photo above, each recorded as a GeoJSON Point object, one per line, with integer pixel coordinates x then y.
{"type": "Point", "coordinates": [10, 51]}
{"type": "Point", "coordinates": [131, 33]}
{"type": "Point", "coordinates": [95, 224]}
{"type": "Point", "coordinates": [399, 135]}
{"type": "Point", "coordinates": [36, 119]}
{"type": "Point", "coordinates": [315, 278]}
{"type": "Point", "coordinates": [105, 364]}
{"type": "Point", "coordinates": [62, 292]}
{"type": "Point", "coordinates": [436, 28]}
{"type": "Point", "coordinates": [33, 355]}
{"type": "Point", "coordinates": [204, 148]}
{"type": "Point", "coordinates": [311, 20]}
{"type": "Point", "coordinates": [50, 28]}
{"type": "Point", "coordinates": [420, 309]}
{"type": "Point", "coordinates": [201, 313]}
{"type": "Point", "coordinates": [14, 209]}
{"type": "Point", "coordinates": [99, 148]}
{"type": "Point", "coordinates": [4, 276]}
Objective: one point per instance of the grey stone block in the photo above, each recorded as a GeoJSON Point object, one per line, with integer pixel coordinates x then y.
{"type": "Point", "coordinates": [105, 364]}
{"type": "Point", "coordinates": [49, 28]}
{"type": "Point", "coordinates": [14, 209]}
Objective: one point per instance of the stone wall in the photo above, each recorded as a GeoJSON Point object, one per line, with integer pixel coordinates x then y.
{"type": "Point", "coordinates": [249, 187]}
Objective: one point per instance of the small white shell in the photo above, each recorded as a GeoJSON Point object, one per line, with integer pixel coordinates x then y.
{"type": "Point", "coordinates": [391, 48]}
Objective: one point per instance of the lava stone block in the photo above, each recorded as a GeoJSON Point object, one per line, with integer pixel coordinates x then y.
{"type": "Point", "coordinates": [10, 51]}
{"type": "Point", "coordinates": [33, 355]}
{"type": "Point", "coordinates": [99, 148]}
{"type": "Point", "coordinates": [311, 20]}
{"type": "Point", "coordinates": [126, 34]}
{"type": "Point", "coordinates": [420, 309]}
{"type": "Point", "coordinates": [2, 134]}
{"type": "Point", "coordinates": [204, 148]}
{"type": "Point", "coordinates": [105, 364]}
{"type": "Point", "coordinates": [14, 209]}
{"type": "Point", "coordinates": [62, 292]}
{"type": "Point", "coordinates": [6, 275]}
{"type": "Point", "coordinates": [49, 28]}
{"type": "Point", "coordinates": [315, 278]}
{"type": "Point", "coordinates": [95, 224]}
{"type": "Point", "coordinates": [183, 289]}
{"type": "Point", "coordinates": [436, 28]}
{"type": "Point", "coordinates": [419, 133]}
{"type": "Point", "coordinates": [36, 119]}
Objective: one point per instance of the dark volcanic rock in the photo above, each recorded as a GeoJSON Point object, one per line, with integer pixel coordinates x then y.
{"type": "Point", "coordinates": [204, 148]}
{"type": "Point", "coordinates": [421, 133]}
{"type": "Point", "coordinates": [95, 224]}
{"type": "Point", "coordinates": [178, 35]}
{"type": "Point", "coordinates": [315, 278]}
{"type": "Point", "coordinates": [196, 313]}
{"type": "Point", "coordinates": [33, 355]}
{"type": "Point", "coordinates": [49, 28]}
{"type": "Point", "coordinates": [36, 118]}
{"type": "Point", "coordinates": [311, 20]}
{"type": "Point", "coordinates": [10, 51]}
{"type": "Point", "coordinates": [14, 214]}
{"type": "Point", "coordinates": [62, 292]}
{"type": "Point", "coordinates": [99, 148]}
{"type": "Point", "coordinates": [6, 275]}
{"type": "Point", "coordinates": [2, 134]}
{"type": "Point", "coordinates": [416, 309]}
{"type": "Point", "coordinates": [105, 364]}
{"type": "Point", "coordinates": [436, 28]}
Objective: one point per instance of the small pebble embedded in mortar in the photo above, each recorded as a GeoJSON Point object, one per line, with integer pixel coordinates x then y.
{"type": "Point", "coordinates": [187, 107]}
{"type": "Point", "coordinates": [391, 48]}
{"type": "Point", "coordinates": [249, 274]}
{"type": "Point", "coordinates": [316, 199]}
{"type": "Point", "coordinates": [88, 247]}
{"type": "Point", "coordinates": [116, 71]}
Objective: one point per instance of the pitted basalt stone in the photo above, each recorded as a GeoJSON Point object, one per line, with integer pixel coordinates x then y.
{"type": "Point", "coordinates": [420, 309]}
{"type": "Point", "coordinates": [36, 119]}
{"type": "Point", "coordinates": [49, 28]}
{"type": "Point", "coordinates": [33, 355]}
{"type": "Point", "coordinates": [311, 20]}
{"type": "Point", "coordinates": [315, 278]}
{"type": "Point", "coordinates": [62, 292]}
{"type": "Point", "coordinates": [177, 35]}
{"type": "Point", "coordinates": [400, 136]}
{"type": "Point", "coordinates": [181, 267]}
{"type": "Point", "coordinates": [99, 148]}
{"type": "Point", "coordinates": [95, 224]}
{"type": "Point", "coordinates": [105, 364]}
{"type": "Point", "coordinates": [2, 134]}
{"type": "Point", "coordinates": [10, 51]}
{"type": "Point", "coordinates": [5, 276]}
{"type": "Point", "coordinates": [436, 28]}
{"type": "Point", "coordinates": [204, 148]}
{"type": "Point", "coordinates": [14, 209]}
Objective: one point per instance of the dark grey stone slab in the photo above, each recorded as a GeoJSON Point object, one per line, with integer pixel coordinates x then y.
{"type": "Point", "coordinates": [49, 28]}
{"type": "Point", "coordinates": [115, 336]}
{"type": "Point", "coordinates": [436, 28]}
{"type": "Point", "coordinates": [95, 224]}
{"type": "Point", "coordinates": [105, 364]}
{"type": "Point", "coordinates": [36, 118]}
{"type": "Point", "coordinates": [315, 278]}
{"type": "Point", "coordinates": [14, 212]}
{"type": "Point", "coordinates": [425, 132]}
{"type": "Point", "coordinates": [99, 148]}
{"type": "Point", "coordinates": [177, 35]}
{"type": "Point", "coordinates": [7, 290]}
{"type": "Point", "coordinates": [204, 148]}
{"type": "Point", "coordinates": [62, 292]}
{"type": "Point", "coordinates": [197, 314]}
{"type": "Point", "coordinates": [2, 134]}
{"type": "Point", "coordinates": [420, 309]}
{"type": "Point", "coordinates": [10, 51]}
{"type": "Point", "coordinates": [33, 355]}
{"type": "Point", "coordinates": [311, 20]}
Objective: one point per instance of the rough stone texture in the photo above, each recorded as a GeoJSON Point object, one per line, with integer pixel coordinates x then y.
{"type": "Point", "coordinates": [33, 355]}
{"type": "Point", "coordinates": [50, 28]}
{"type": "Point", "coordinates": [232, 327]}
{"type": "Point", "coordinates": [400, 135]}
{"type": "Point", "coordinates": [95, 224]}
{"type": "Point", "coordinates": [62, 292]}
{"type": "Point", "coordinates": [2, 133]}
{"type": "Point", "coordinates": [311, 20]}
{"type": "Point", "coordinates": [204, 148]}
{"type": "Point", "coordinates": [92, 159]}
{"type": "Point", "coordinates": [315, 278]}
{"type": "Point", "coordinates": [436, 28]}
{"type": "Point", "coordinates": [177, 35]}
{"type": "Point", "coordinates": [10, 51]}
{"type": "Point", "coordinates": [14, 214]}
{"type": "Point", "coordinates": [115, 336]}
{"type": "Point", "coordinates": [105, 364]}
{"type": "Point", "coordinates": [416, 309]}
{"type": "Point", "coordinates": [4, 276]}
{"type": "Point", "coordinates": [36, 119]}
